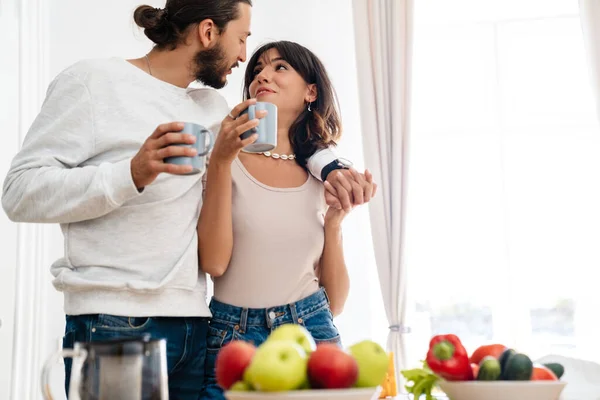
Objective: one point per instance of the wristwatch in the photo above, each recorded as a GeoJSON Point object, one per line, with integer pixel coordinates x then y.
{"type": "Point", "coordinates": [340, 163]}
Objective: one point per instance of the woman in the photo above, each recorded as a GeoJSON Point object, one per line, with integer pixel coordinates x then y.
{"type": "Point", "coordinates": [265, 235]}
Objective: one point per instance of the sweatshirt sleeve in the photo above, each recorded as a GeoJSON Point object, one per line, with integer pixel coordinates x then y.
{"type": "Point", "coordinates": [319, 160]}
{"type": "Point", "coordinates": [49, 180]}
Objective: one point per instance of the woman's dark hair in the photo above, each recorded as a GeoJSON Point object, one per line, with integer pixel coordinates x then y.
{"type": "Point", "coordinates": [312, 130]}
{"type": "Point", "coordinates": [166, 27]}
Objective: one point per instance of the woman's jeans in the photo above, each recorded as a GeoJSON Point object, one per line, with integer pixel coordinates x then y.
{"type": "Point", "coordinates": [255, 324]}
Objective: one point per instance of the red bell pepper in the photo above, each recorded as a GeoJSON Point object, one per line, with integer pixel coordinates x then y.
{"type": "Point", "coordinates": [448, 358]}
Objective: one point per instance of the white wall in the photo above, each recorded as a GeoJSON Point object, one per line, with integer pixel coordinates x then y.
{"type": "Point", "coordinates": [106, 29]}
{"type": "Point", "coordinates": [8, 245]}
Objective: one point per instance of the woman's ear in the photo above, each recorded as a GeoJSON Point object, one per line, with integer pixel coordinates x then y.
{"type": "Point", "coordinates": [207, 33]}
{"type": "Point", "coordinates": [311, 93]}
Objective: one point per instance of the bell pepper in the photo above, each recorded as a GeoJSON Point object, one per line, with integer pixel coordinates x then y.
{"type": "Point", "coordinates": [389, 387]}
{"type": "Point", "coordinates": [448, 358]}
{"type": "Point", "coordinates": [542, 373]}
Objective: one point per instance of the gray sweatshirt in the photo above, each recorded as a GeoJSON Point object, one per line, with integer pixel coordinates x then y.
{"type": "Point", "coordinates": [125, 253]}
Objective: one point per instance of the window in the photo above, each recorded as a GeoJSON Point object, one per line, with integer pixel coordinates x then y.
{"type": "Point", "coordinates": [503, 219]}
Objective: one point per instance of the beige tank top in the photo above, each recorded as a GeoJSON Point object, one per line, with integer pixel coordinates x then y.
{"type": "Point", "coordinates": [278, 240]}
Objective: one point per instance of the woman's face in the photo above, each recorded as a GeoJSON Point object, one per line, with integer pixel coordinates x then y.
{"type": "Point", "coordinates": [275, 81]}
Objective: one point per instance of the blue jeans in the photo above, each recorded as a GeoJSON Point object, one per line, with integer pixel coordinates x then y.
{"type": "Point", "coordinates": [255, 324]}
{"type": "Point", "coordinates": [186, 344]}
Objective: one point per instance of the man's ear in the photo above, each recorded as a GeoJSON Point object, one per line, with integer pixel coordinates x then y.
{"type": "Point", "coordinates": [311, 93]}
{"type": "Point", "coordinates": [207, 33]}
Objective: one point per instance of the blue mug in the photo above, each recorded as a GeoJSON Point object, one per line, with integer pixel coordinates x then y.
{"type": "Point", "coordinates": [205, 140]}
{"type": "Point", "coordinates": [266, 129]}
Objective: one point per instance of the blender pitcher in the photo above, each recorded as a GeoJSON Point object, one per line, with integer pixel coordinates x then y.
{"type": "Point", "coordinates": [123, 369]}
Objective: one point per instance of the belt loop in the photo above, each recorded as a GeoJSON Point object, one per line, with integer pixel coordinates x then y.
{"type": "Point", "coordinates": [243, 320]}
{"type": "Point", "coordinates": [268, 319]}
{"type": "Point", "coordinates": [294, 313]}
{"type": "Point", "coordinates": [326, 297]}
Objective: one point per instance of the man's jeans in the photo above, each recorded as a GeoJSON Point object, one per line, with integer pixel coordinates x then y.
{"type": "Point", "coordinates": [186, 344]}
{"type": "Point", "coordinates": [254, 325]}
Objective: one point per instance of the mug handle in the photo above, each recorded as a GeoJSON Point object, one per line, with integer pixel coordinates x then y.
{"type": "Point", "coordinates": [78, 357]}
{"type": "Point", "coordinates": [211, 142]}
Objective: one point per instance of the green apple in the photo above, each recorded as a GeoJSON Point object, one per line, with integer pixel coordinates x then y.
{"type": "Point", "coordinates": [240, 386]}
{"type": "Point", "coordinates": [296, 333]}
{"type": "Point", "coordinates": [305, 385]}
{"type": "Point", "coordinates": [277, 365]}
{"type": "Point", "coordinates": [372, 362]}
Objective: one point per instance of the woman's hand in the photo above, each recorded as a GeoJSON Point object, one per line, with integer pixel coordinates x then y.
{"type": "Point", "coordinates": [229, 143]}
{"type": "Point", "coordinates": [334, 217]}
{"type": "Point", "coordinates": [348, 188]}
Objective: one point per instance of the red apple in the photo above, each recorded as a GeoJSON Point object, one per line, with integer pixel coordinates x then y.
{"type": "Point", "coordinates": [232, 360]}
{"type": "Point", "coordinates": [330, 367]}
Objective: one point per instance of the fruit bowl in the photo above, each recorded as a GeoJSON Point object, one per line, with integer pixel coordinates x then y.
{"type": "Point", "coordinates": [503, 390]}
{"type": "Point", "coordinates": [337, 394]}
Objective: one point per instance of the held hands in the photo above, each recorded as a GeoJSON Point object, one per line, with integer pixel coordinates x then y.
{"type": "Point", "coordinates": [347, 188]}
{"type": "Point", "coordinates": [229, 143]}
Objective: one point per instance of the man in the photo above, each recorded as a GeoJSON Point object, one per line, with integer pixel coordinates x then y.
{"type": "Point", "coordinates": [129, 220]}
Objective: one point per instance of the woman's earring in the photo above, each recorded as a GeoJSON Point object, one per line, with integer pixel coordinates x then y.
{"type": "Point", "coordinates": [309, 107]}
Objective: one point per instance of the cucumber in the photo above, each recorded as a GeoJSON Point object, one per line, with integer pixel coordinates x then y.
{"type": "Point", "coordinates": [557, 368]}
{"type": "Point", "coordinates": [489, 369]}
{"type": "Point", "coordinates": [504, 357]}
{"type": "Point", "coordinates": [519, 367]}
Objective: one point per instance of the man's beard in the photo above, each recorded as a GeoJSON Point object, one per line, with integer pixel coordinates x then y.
{"type": "Point", "coordinates": [211, 67]}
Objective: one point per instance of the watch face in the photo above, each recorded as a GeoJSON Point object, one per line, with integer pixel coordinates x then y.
{"type": "Point", "coordinates": [344, 163]}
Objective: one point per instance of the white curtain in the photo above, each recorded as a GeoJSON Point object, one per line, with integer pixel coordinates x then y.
{"type": "Point", "coordinates": [383, 35]}
{"type": "Point", "coordinates": [590, 23]}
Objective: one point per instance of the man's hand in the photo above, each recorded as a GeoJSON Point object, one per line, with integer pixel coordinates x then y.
{"type": "Point", "coordinates": [148, 162]}
{"type": "Point", "coordinates": [346, 188]}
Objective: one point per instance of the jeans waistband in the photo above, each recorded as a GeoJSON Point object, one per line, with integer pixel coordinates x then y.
{"type": "Point", "coordinates": [278, 315]}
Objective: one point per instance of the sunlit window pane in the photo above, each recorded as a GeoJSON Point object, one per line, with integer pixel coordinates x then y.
{"type": "Point", "coordinates": [543, 78]}
{"type": "Point", "coordinates": [504, 206]}
{"type": "Point", "coordinates": [451, 86]}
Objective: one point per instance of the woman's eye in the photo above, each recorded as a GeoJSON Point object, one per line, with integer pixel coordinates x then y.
{"type": "Point", "coordinates": [281, 66]}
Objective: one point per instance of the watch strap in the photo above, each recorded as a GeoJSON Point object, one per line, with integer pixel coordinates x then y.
{"type": "Point", "coordinates": [335, 164]}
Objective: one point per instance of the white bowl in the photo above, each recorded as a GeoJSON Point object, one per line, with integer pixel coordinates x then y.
{"type": "Point", "coordinates": [313, 394]}
{"type": "Point", "coordinates": [503, 390]}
